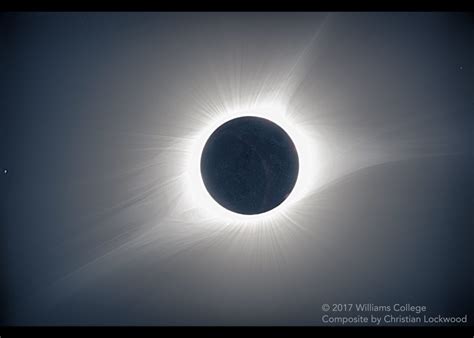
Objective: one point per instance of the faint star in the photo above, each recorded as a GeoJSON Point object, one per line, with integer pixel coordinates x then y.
{"type": "Point", "coordinates": [5, 171]}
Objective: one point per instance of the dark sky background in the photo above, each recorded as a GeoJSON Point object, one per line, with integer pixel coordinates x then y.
{"type": "Point", "coordinates": [83, 94]}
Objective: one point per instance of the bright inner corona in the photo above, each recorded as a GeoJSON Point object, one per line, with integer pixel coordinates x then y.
{"type": "Point", "coordinates": [196, 192]}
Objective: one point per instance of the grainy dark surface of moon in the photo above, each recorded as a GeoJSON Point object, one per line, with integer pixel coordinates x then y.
{"type": "Point", "coordinates": [249, 165]}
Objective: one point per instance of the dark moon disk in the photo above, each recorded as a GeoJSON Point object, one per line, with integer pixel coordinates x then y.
{"type": "Point", "coordinates": [249, 165]}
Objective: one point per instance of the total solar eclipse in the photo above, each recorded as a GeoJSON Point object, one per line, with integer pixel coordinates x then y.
{"type": "Point", "coordinates": [249, 165]}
